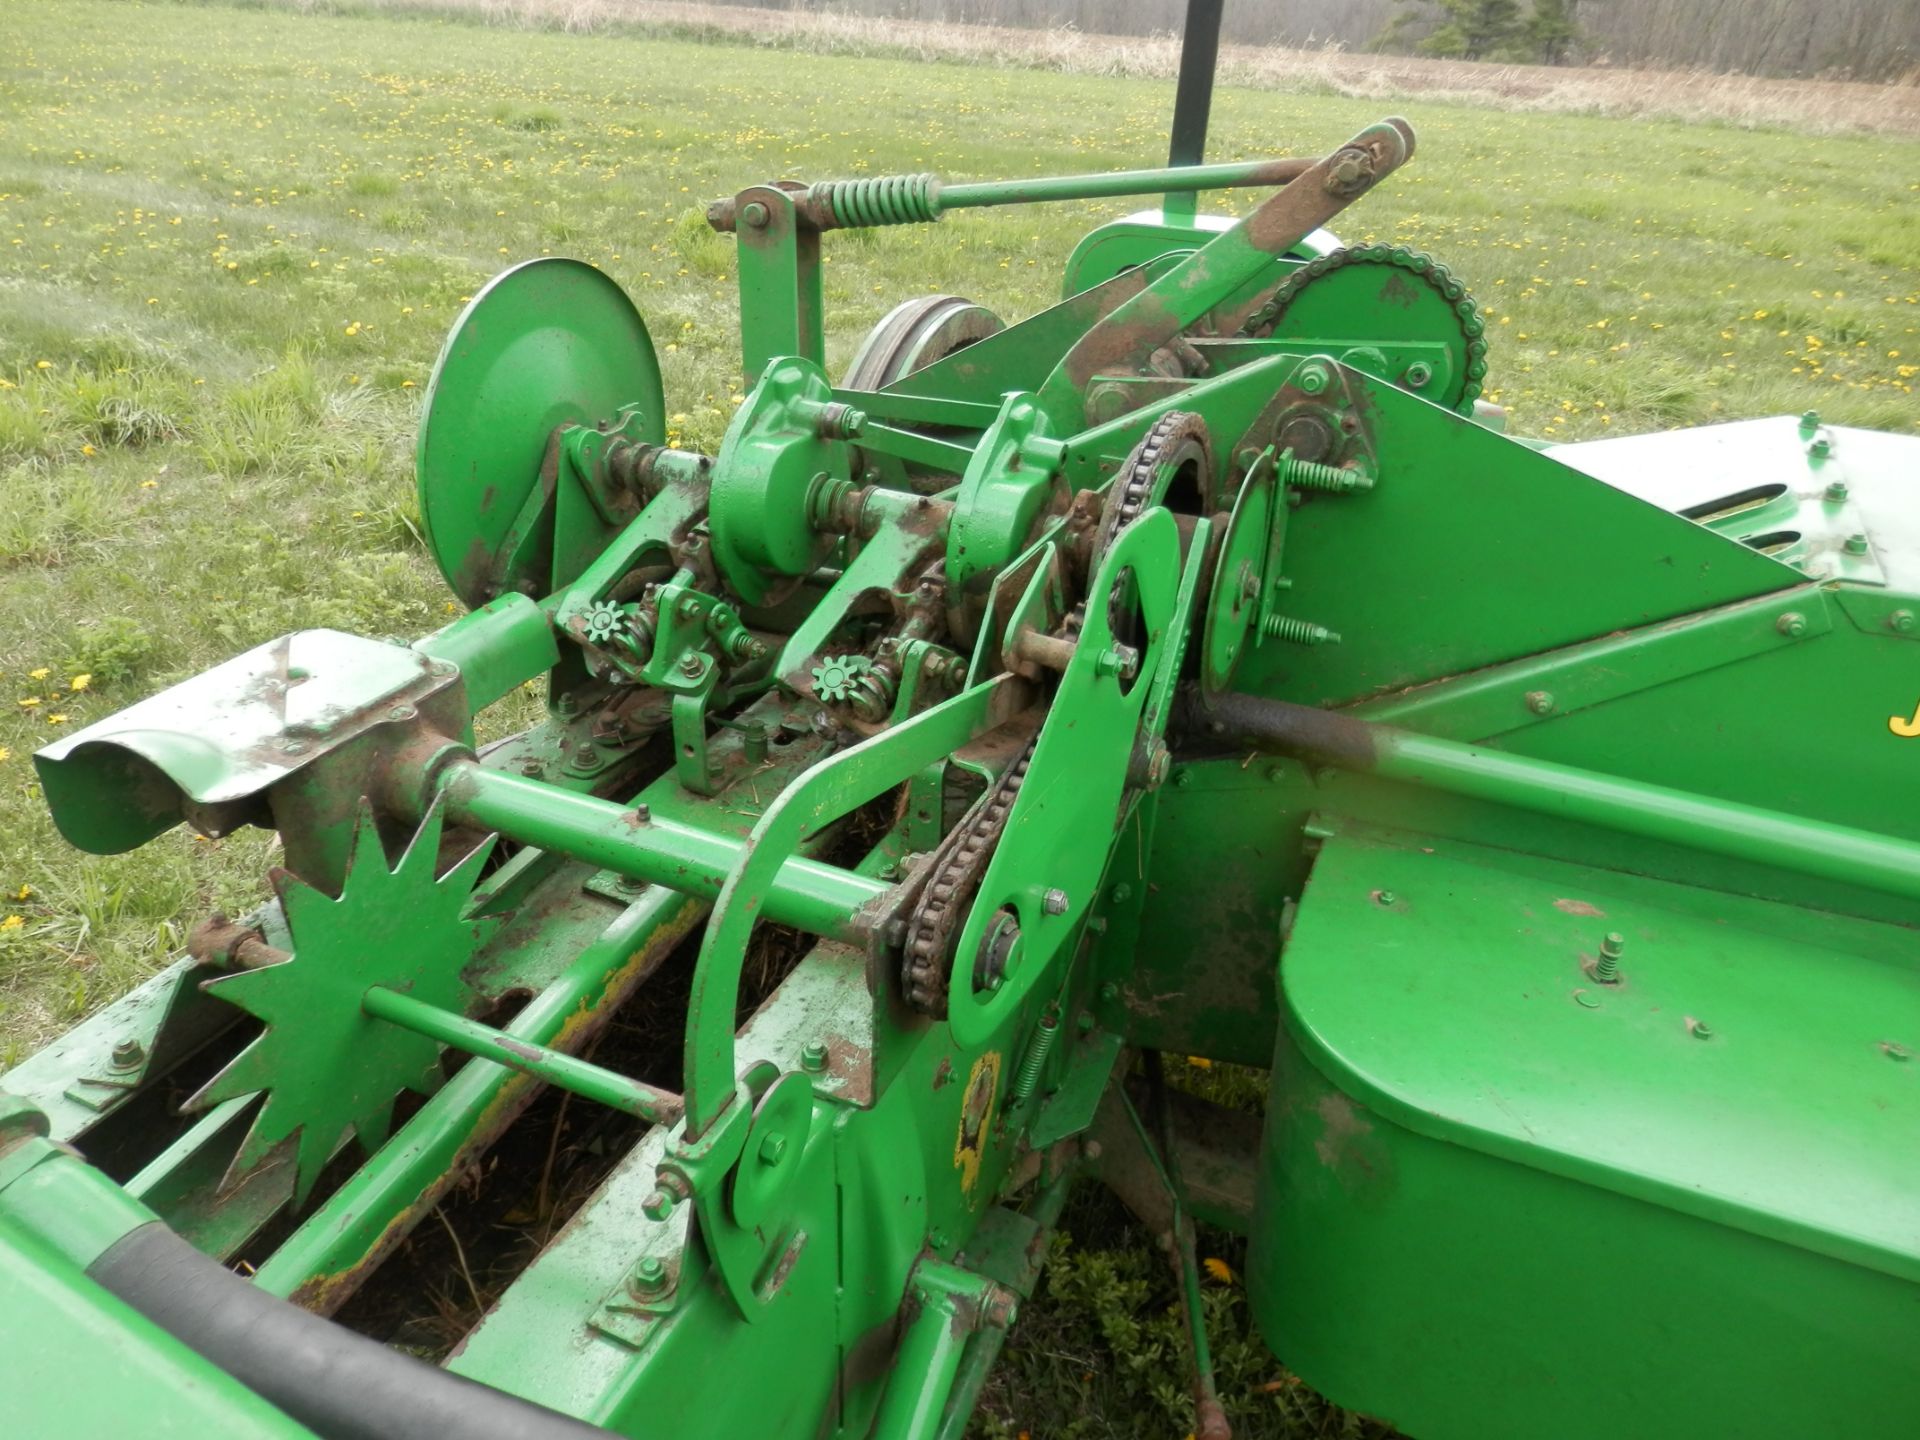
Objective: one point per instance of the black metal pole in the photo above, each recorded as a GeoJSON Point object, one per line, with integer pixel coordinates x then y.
{"type": "Point", "coordinates": [1193, 95]}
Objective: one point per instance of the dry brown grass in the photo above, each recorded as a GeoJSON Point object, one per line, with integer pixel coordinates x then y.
{"type": "Point", "coordinates": [1815, 106]}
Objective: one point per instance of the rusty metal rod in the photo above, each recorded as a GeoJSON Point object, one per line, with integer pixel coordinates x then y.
{"type": "Point", "coordinates": [569, 1072]}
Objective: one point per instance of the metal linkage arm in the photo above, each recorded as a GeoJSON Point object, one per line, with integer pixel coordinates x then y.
{"type": "Point", "coordinates": [556, 1067]}
{"type": "Point", "coordinates": [914, 199]}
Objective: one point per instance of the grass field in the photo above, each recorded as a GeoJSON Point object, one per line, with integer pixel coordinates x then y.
{"type": "Point", "coordinates": [234, 239]}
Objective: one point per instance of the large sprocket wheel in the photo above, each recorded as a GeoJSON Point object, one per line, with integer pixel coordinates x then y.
{"type": "Point", "coordinates": [914, 334]}
{"type": "Point", "coordinates": [325, 1064]}
{"type": "Point", "coordinates": [1377, 295]}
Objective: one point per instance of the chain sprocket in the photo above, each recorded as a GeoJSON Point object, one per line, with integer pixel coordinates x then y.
{"type": "Point", "coordinates": [1177, 439]}
{"type": "Point", "coordinates": [958, 867]}
{"type": "Point", "coordinates": [1423, 268]}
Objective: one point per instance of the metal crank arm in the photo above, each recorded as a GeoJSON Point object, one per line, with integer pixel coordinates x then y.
{"type": "Point", "coordinates": [1057, 838]}
{"type": "Point", "coordinates": [1123, 342]}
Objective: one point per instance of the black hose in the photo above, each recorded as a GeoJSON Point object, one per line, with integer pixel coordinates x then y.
{"type": "Point", "coordinates": [340, 1385]}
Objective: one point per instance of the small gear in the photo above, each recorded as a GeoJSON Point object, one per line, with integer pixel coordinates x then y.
{"type": "Point", "coordinates": [602, 622]}
{"type": "Point", "coordinates": [836, 679]}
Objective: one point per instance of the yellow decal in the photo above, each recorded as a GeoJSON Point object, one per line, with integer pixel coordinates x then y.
{"type": "Point", "coordinates": [1907, 728]}
{"type": "Point", "coordinates": [976, 1114]}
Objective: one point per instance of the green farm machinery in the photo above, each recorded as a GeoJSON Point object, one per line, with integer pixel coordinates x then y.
{"type": "Point", "coordinates": [1192, 669]}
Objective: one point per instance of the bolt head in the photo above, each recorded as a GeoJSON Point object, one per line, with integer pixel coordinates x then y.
{"type": "Point", "coordinates": [1419, 374]}
{"type": "Point", "coordinates": [658, 1205]}
{"type": "Point", "coordinates": [813, 1056]}
{"type": "Point", "coordinates": [650, 1274]}
{"type": "Point", "coordinates": [1837, 491]}
{"type": "Point", "coordinates": [754, 215]}
{"type": "Point", "coordinates": [773, 1148]}
{"type": "Point", "coordinates": [1856, 544]}
{"type": "Point", "coordinates": [1313, 379]}
{"type": "Point", "coordinates": [1902, 621]}
{"type": "Point", "coordinates": [1054, 902]}
{"type": "Point", "coordinates": [1540, 702]}
{"type": "Point", "coordinates": [127, 1054]}
{"type": "Point", "coordinates": [1820, 448]}
{"type": "Point", "coordinates": [1792, 624]}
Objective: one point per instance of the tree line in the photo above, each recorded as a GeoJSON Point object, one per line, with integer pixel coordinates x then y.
{"type": "Point", "coordinates": [1850, 39]}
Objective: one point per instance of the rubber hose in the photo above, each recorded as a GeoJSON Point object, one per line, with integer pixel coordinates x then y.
{"type": "Point", "coordinates": [337, 1383]}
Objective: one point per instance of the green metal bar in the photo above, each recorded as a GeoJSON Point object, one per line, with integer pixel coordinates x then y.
{"type": "Point", "coordinates": [929, 1356]}
{"type": "Point", "coordinates": [1172, 179]}
{"type": "Point", "coordinates": [820, 899]}
{"type": "Point", "coordinates": [1654, 812]}
{"type": "Point", "coordinates": [497, 647]}
{"type": "Point", "coordinates": [582, 1077]}
{"type": "Point", "coordinates": [422, 1159]}
{"type": "Point", "coordinates": [944, 455]}
{"type": "Point", "coordinates": [1724, 827]}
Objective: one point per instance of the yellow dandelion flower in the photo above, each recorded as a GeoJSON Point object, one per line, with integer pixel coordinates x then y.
{"type": "Point", "coordinates": [87, 450]}
{"type": "Point", "coordinates": [1218, 1269]}
{"type": "Point", "coordinates": [56, 719]}
{"type": "Point", "coordinates": [80, 681]}
{"type": "Point", "coordinates": [1199, 1062]}
{"type": "Point", "coordinates": [12, 922]}
{"type": "Point", "coordinates": [5, 754]}
{"type": "Point", "coordinates": [28, 702]}
{"type": "Point", "coordinates": [43, 364]}
{"type": "Point", "coordinates": [39, 674]}
{"type": "Point", "coordinates": [25, 892]}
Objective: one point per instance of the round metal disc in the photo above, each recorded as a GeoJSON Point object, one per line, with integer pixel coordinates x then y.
{"type": "Point", "coordinates": [914, 334]}
{"type": "Point", "coordinates": [771, 1159]}
{"type": "Point", "coordinates": [547, 343]}
{"type": "Point", "coordinates": [1235, 601]}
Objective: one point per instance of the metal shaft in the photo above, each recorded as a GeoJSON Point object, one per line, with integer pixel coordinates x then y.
{"type": "Point", "coordinates": [820, 899]}
{"type": "Point", "coordinates": [1632, 807]}
{"type": "Point", "coordinates": [582, 1077]}
{"type": "Point", "coordinates": [1176, 179]}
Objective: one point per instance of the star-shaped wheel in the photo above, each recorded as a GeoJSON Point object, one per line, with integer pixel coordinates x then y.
{"type": "Point", "coordinates": [325, 1064]}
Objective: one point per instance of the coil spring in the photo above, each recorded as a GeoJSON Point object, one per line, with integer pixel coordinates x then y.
{"type": "Point", "coordinates": [882, 200]}
{"type": "Point", "coordinates": [1300, 632]}
{"type": "Point", "coordinates": [1038, 1049]}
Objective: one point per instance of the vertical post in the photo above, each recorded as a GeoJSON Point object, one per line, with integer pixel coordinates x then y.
{"type": "Point", "coordinates": [780, 292]}
{"type": "Point", "coordinates": [1193, 98]}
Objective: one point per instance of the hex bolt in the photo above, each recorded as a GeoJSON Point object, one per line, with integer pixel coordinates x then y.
{"type": "Point", "coordinates": [1606, 969]}
{"type": "Point", "coordinates": [1901, 621]}
{"type": "Point", "coordinates": [1792, 624]}
{"type": "Point", "coordinates": [1540, 702]}
{"type": "Point", "coordinates": [1699, 1029]}
{"type": "Point", "coordinates": [128, 1054]}
{"type": "Point", "coordinates": [1810, 420]}
{"type": "Point", "coordinates": [813, 1056]}
{"type": "Point", "coordinates": [1384, 897]}
{"type": "Point", "coordinates": [1820, 448]}
{"type": "Point", "coordinates": [1836, 492]}
{"type": "Point", "coordinates": [1054, 902]}
{"type": "Point", "coordinates": [773, 1148]}
{"type": "Point", "coordinates": [533, 767]}
{"type": "Point", "coordinates": [1418, 374]}
{"type": "Point", "coordinates": [650, 1275]}
{"type": "Point", "coordinates": [670, 1190]}
{"type": "Point", "coordinates": [1312, 379]}
{"type": "Point", "coordinates": [690, 665]}
{"type": "Point", "coordinates": [754, 215]}
{"type": "Point", "coordinates": [1857, 543]}
{"type": "Point", "coordinates": [401, 712]}
{"type": "Point", "coordinates": [1119, 660]}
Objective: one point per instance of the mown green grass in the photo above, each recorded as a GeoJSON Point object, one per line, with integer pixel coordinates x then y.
{"type": "Point", "coordinates": [231, 241]}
